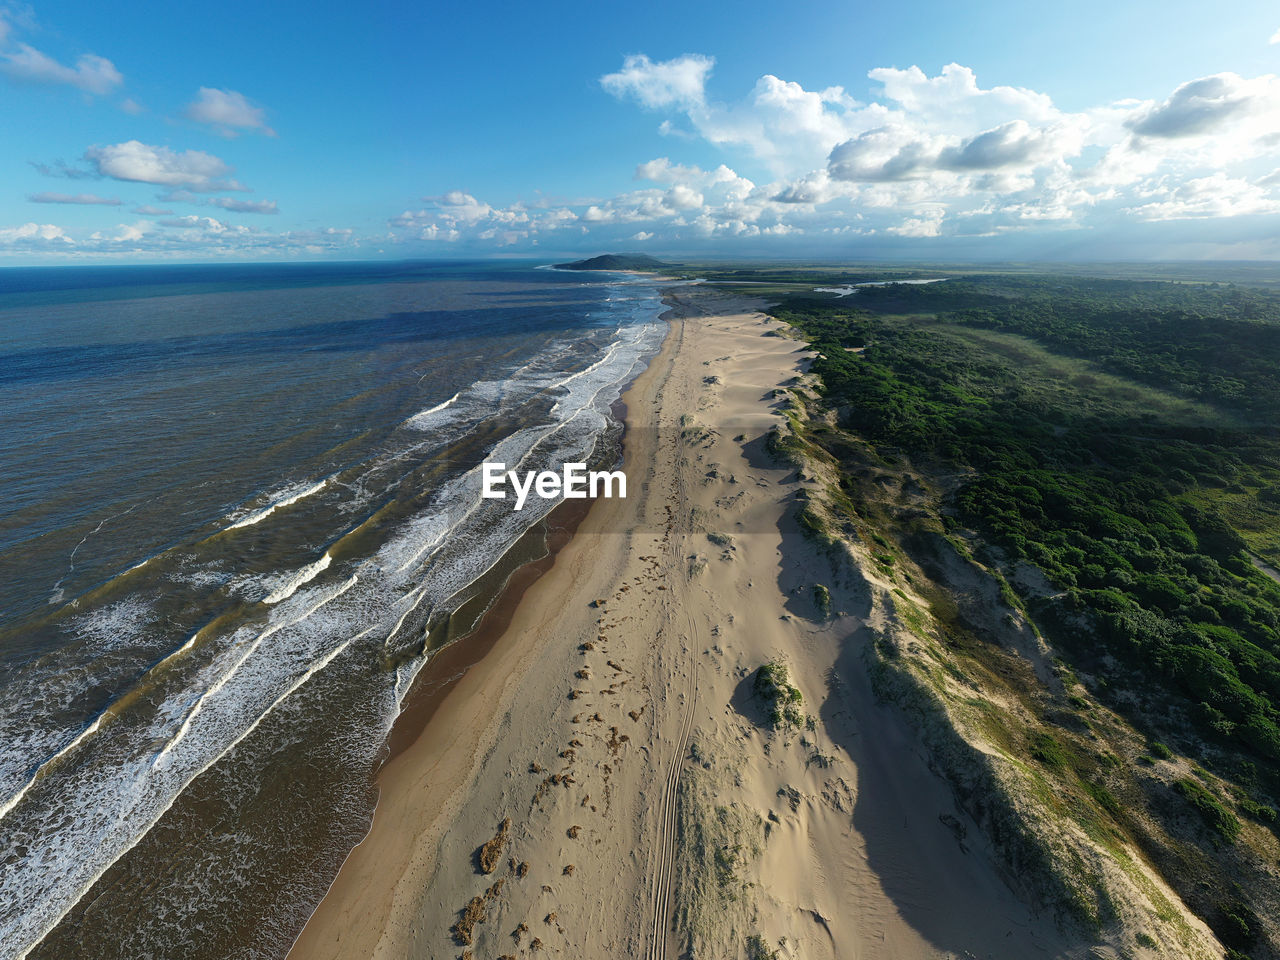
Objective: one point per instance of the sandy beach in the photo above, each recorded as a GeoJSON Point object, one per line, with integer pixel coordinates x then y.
{"type": "Point", "coordinates": [604, 781]}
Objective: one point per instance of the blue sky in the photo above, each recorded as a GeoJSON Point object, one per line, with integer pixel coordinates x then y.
{"type": "Point", "coordinates": [926, 129]}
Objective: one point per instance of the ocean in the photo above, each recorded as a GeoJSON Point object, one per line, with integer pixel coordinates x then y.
{"type": "Point", "coordinates": [239, 510]}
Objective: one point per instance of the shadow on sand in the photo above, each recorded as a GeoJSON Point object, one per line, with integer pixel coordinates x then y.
{"type": "Point", "coordinates": [927, 855]}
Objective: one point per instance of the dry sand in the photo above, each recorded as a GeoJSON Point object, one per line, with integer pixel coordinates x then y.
{"type": "Point", "coordinates": [835, 841]}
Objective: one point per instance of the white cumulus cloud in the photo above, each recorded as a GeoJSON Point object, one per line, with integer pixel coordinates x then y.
{"type": "Point", "coordinates": [191, 221]}
{"type": "Point", "coordinates": [780, 122]}
{"type": "Point", "coordinates": [925, 156]}
{"type": "Point", "coordinates": [34, 235]}
{"type": "Point", "coordinates": [1207, 197]}
{"type": "Point", "coordinates": [142, 163]}
{"type": "Point", "coordinates": [228, 112]}
{"type": "Point", "coordinates": [928, 224]}
{"type": "Point", "coordinates": [680, 81]}
{"type": "Point", "coordinates": [91, 73]}
{"type": "Point", "coordinates": [953, 101]}
{"type": "Point", "coordinates": [682, 197]}
{"type": "Point", "coordinates": [1205, 105]}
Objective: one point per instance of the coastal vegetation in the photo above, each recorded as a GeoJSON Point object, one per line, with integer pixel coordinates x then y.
{"type": "Point", "coordinates": [1102, 454]}
{"type": "Point", "coordinates": [1137, 479]}
{"type": "Point", "coordinates": [822, 599]}
{"type": "Point", "coordinates": [718, 848]}
{"type": "Point", "coordinates": [780, 696]}
{"type": "Point", "coordinates": [759, 949]}
{"type": "Point", "coordinates": [615, 261]}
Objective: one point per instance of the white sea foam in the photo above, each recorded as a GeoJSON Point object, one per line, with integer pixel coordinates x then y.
{"type": "Point", "coordinates": [581, 416]}
{"type": "Point", "coordinates": [283, 499]}
{"type": "Point", "coordinates": [115, 625]}
{"type": "Point", "coordinates": [608, 356]}
{"type": "Point", "coordinates": [291, 583]}
{"type": "Point", "coordinates": [28, 750]}
{"type": "Point", "coordinates": [84, 734]}
{"type": "Point", "coordinates": [415, 599]}
{"type": "Point", "coordinates": [425, 532]}
{"type": "Point", "coordinates": [424, 419]}
{"type": "Point", "coordinates": [170, 657]}
{"type": "Point", "coordinates": [484, 398]}
{"type": "Point", "coordinates": [58, 594]}
{"type": "Point", "coordinates": [198, 704]}
{"type": "Point", "coordinates": [50, 918]}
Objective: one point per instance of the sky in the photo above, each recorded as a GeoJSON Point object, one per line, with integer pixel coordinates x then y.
{"type": "Point", "coordinates": [917, 130]}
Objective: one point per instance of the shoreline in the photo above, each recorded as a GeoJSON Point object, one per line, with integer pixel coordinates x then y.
{"type": "Point", "coordinates": [438, 676]}
{"type": "Point", "coordinates": [442, 672]}
{"type": "Point", "coordinates": [442, 675]}
{"type": "Point", "coordinates": [549, 536]}
{"type": "Point", "coordinates": [574, 791]}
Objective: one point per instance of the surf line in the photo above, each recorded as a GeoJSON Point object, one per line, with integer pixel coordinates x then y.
{"type": "Point", "coordinates": [574, 482]}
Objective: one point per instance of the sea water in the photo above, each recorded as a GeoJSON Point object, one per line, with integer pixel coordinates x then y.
{"type": "Point", "coordinates": [235, 504]}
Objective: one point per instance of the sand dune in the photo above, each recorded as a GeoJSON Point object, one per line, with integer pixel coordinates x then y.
{"type": "Point", "coordinates": [651, 807]}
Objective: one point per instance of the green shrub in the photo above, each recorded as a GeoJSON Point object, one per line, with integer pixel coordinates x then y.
{"type": "Point", "coordinates": [1104, 798]}
{"type": "Point", "coordinates": [1258, 811]}
{"type": "Point", "coordinates": [1048, 750]}
{"type": "Point", "coordinates": [822, 597]}
{"type": "Point", "coordinates": [814, 527]}
{"type": "Point", "coordinates": [1236, 925]}
{"type": "Point", "coordinates": [758, 949]}
{"type": "Point", "coordinates": [782, 698]}
{"type": "Point", "coordinates": [1215, 815]}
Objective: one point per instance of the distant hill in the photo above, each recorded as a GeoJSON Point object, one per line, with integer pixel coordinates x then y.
{"type": "Point", "coordinates": [615, 261]}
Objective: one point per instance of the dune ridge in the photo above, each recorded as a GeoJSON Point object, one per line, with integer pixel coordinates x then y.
{"type": "Point", "coordinates": [611, 779]}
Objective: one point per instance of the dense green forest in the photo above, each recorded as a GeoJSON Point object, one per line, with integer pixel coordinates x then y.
{"type": "Point", "coordinates": [796, 276]}
{"type": "Point", "coordinates": [1205, 340]}
{"type": "Point", "coordinates": [1119, 435]}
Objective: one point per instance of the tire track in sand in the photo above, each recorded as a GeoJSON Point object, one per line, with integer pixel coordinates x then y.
{"type": "Point", "coordinates": [660, 928]}
{"type": "Point", "coordinates": [662, 865]}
